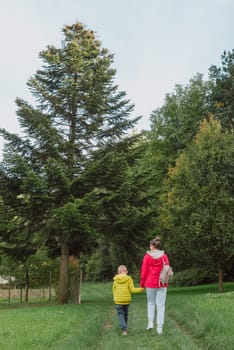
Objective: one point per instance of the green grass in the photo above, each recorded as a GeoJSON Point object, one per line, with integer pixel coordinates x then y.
{"type": "Point", "coordinates": [196, 318]}
{"type": "Point", "coordinates": [205, 315]}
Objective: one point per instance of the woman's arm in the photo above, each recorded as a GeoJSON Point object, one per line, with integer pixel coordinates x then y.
{"type": "Point", "coordinates": [144, 271]}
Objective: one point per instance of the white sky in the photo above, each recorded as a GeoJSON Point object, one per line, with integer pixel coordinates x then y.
{"type": "Point", "coordinates": [157, 44]}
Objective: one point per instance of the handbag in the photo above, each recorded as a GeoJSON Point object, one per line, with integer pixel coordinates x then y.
{"type": "Point", "coordinates": [166, 273]}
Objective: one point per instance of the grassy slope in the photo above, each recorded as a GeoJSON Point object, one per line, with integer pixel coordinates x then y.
{"type": "Point", "coordinates": [196, 318]}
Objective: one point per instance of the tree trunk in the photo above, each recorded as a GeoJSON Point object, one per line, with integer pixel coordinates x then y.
{"type": "Point", "coordinates": [26, 285]}
{"type": "Point", "coordinates": [75, 284]}
{"type": "Point", "coordinates": [63, 289]}
{"type": "Point", "coordinates": [220, 280]}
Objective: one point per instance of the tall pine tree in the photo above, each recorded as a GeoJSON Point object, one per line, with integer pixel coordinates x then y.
{"type": "Point", "coordinates": [78, 109]}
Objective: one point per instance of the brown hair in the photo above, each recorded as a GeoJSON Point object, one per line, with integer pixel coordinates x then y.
{"type": "Point", "coordinates": [155, 242]}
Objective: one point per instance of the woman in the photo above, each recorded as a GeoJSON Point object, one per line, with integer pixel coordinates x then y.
{"type": "Point", "coordinates": [150, 279]}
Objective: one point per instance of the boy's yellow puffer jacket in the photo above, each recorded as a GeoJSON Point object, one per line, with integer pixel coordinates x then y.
{"type": "Point", "coordinates": [123, 286]}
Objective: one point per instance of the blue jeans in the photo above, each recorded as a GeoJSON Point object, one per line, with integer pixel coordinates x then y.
{"type": "Point", "coordinates": [122, 312]}
{"type": "Point", "coordinates": [156, 297]}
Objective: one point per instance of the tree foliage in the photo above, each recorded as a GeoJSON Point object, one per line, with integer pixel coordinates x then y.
{"type": "Point", "coordinates": [222, 92]}
{"type": "Point", "coordinates": [198, 205]}
{"type": "Point", "coordinates": [78, 183]}
{"type": "Point", "coordinates": [121, 218]}
{"type": "Point", "coordinates": [177, 121]}
{"type": "Point", "coordinates": [78, 109]}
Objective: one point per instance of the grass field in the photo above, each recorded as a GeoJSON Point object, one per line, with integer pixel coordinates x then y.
{"type": "Point", "coordinates": [196, 318]}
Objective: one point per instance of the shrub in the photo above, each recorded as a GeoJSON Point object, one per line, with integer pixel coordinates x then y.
{"type": "Point", "coordinates": [194, 276]}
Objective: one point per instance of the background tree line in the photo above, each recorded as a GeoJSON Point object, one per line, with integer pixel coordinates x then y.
{"type": "Point", "coordinates": [80, 181]}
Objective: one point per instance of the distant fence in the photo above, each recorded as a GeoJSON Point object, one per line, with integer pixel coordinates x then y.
{"type": "Point", "coordinates": [14, 294]}
{"type": "Point", "coordinates": [29, 286]}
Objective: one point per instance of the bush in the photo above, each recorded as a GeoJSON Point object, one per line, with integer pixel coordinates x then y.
{"type": "Point", "coordinates": [194, 276]}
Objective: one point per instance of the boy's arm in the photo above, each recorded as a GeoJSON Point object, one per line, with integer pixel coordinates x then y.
{"type": "Point", "coordinates": [113, 288]}
{"type": "Point", "coordinates": [134, 289]}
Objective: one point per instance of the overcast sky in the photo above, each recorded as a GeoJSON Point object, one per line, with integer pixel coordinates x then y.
{"type": "Point", "coordinates": [156, 43]}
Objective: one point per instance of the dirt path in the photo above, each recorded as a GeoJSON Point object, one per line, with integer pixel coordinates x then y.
{"type": "Point", "coordinates": [182, 329]}
{"type": "Point", "coordinates": [175, 336]}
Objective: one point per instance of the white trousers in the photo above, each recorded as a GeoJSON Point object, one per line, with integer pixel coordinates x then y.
{"type": "Point", "coordinates": [156, 297]}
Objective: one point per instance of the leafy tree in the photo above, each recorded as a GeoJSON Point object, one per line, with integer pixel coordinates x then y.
{"type": "Point", "coordinates": [78, 109]}
{"type": "Point", "coordinates": [172, 128]}
{"type": "Point", "coordinates": [222, 92]}
{"type": "Point", "coordinates": [198, 207]}
{"type": "Point", "coordinates": [175, 124]}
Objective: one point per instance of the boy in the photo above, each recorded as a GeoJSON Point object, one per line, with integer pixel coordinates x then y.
{"type": "Point", "coordinates": [123, 286]}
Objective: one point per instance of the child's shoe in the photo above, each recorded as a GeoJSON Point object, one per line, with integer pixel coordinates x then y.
{"type": "Point", "coordinates": [125, 333]}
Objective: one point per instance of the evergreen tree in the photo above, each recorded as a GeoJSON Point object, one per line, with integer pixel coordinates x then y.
{"type": "Point", "coordinates": [121, 220]}
{"type": "Point", "coordinates": [78, 109]}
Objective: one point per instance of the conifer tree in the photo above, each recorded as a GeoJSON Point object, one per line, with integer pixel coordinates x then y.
{"type": "Point", "coordinates": [78, 109]}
